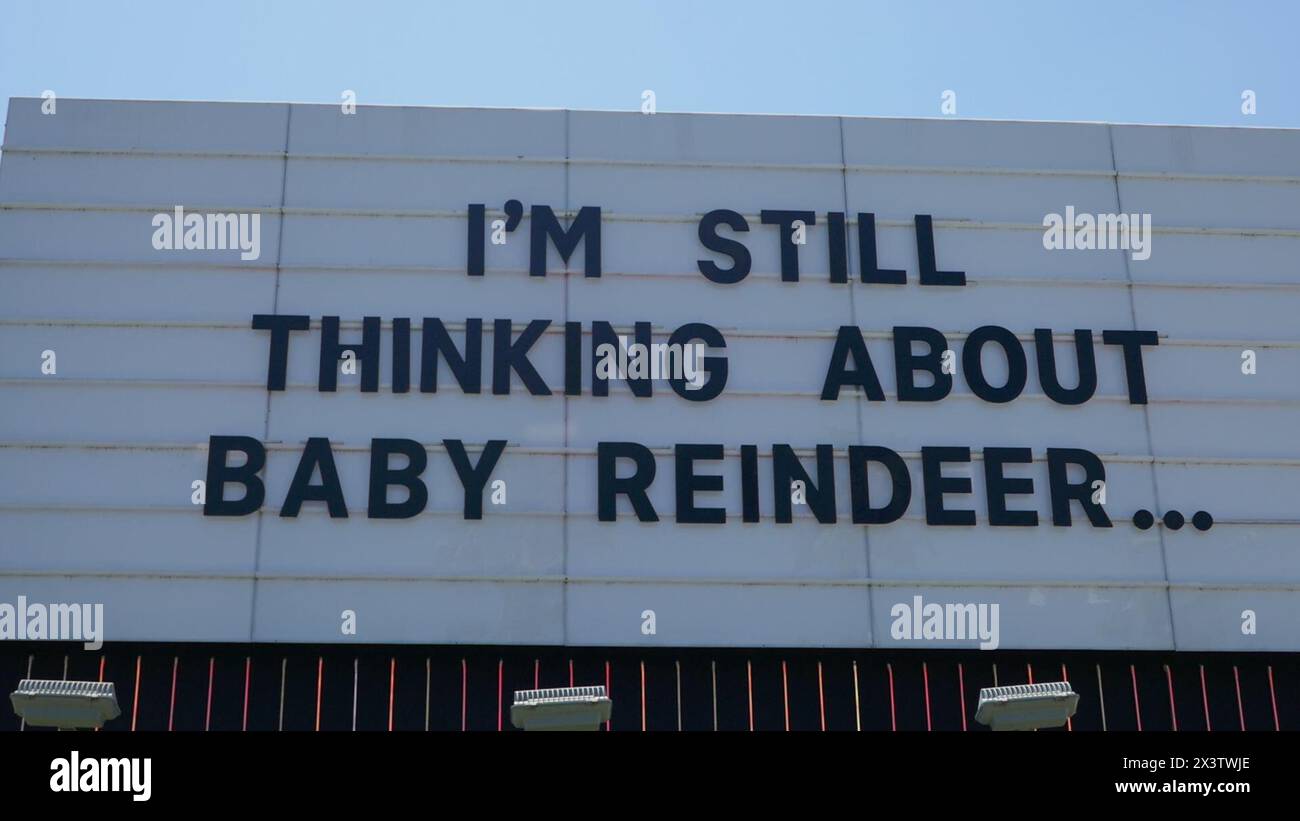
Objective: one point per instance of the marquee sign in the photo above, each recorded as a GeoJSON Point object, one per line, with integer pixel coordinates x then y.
{"type": "Point", "coordinates": [482, 376]}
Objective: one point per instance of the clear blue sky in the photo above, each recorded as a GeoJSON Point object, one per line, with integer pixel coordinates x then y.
{"type": "Point", "coordinates": [1165, 61]}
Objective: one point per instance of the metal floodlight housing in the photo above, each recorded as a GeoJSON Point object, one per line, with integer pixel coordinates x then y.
{"type": "Point", "coordinates": [68, 705]}
{"type": "Point", "coordinates": [560, 708]}
{"type": "Point", "coordinates": [1027, 706]}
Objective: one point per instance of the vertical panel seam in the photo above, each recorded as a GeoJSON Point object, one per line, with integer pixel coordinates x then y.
{"type": "Point", "coordinates": [275, 307]}
{"type": "Point", "coordinates": [564, 581]}
{"type": "Point", "coordinates": [858, 394]}
{"type": "Point", "coordinates": [1146, 413]}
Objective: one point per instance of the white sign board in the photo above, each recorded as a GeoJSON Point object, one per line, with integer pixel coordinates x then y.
{"type": "Point", "coordinates": [171, 274]}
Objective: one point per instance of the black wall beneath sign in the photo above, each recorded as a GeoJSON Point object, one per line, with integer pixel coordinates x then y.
{"type": "Point", "coordinates": [193, 687]}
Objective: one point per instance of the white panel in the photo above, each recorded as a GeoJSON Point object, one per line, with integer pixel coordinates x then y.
{"type": "Point", "coordinates": [179, 539]}
{"type": "Point", "coordinates": [128, 413]}
{"type": "Point", "coordinates": [102, 292]}
{"type": "Point", "coordinates": [1222, 260]}
{"type": "Point", "coordinates": [501, 546]}
{"type": "Point", "coordinates": [225, 183]}
{"type": "Point", "coordinates": [1061, 618]}
{"type": "Point", "coordinates": [803, 550]}
{"type": "Point", "coordinates": [363, 241]}
{"type": "Point", "coordinates": [149, 608]}
{"type": "Point", "coordinates": [1228, 491]}
{"type": "Point", "coordinates": [976, 198]}
{"type": "Point", "coordinates": [54, 476]}
{"type": "Point", "coordinates": [427, 132]}
{"type": "Point", "coordinates": [1215, 373]}
{"type": "Point", "coordinates": [1212, 204]}
{"type": "Point", "coordinates": [147, 125]}
{"type": "Point", "coordinates": [1235, 553]}
{"type": "Point", "coordinates": [976, 145]}
{"type": "Point", "coordinates": [1246, 315]}
{"type": "Point", "coordinates": [157, 353]}
{"type": "Point", "coordinates": [691, 192]}
{"type": "Point", "coordinates": [1225, 430]}
{"type": "Point", "coordinates": [409, 611]}
{"type": "Point", "coordinates": [704, 138]}
{"type": "Point", "coordinates": [117, 236]}
{"type": "Point", "coordinates": [421, 186]}
{"type": "Point", "coordinates": [1212, 619]}
{"type": "Point", "coordinates": [704, 615]}
{"type": "Point", "coordinates": [1266, 152]}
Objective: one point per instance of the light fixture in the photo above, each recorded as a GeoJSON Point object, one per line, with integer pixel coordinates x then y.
{"type": "Point", "coordinates": [560, 708]}
{"type": "Point", "coordinates": [1027, 706]}
{"type": "Point", "coordinates": [68, 705]}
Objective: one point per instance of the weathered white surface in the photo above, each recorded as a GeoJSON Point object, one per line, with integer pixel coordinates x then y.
{"type": "Point", "coordinates": [155, 354]}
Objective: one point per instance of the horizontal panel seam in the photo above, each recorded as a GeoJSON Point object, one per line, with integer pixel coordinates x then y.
{"type": "Point", "coordinates": [858, 582]}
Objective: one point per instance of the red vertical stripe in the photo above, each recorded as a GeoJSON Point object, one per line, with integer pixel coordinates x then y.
{"type": "Point", "coordinates": [171, 710]}
{"type": "Point", "coordinates": [1137, 708]}
{"type": "Point", "coordinates": [207, 716]}
{"type": "Point", "coordinates": [749, 686]}
{"type": "Point", "coordinates": [464, 694]}
{"type": "Point", "coordinates": [320, 678]}
{"type": "Point", "coordinates": [821, 695]}
{"type": "Point", "coordinates": [1241, 714]}
{"type": "Point", "coordinates": [102, 659]}
{"type": "Point", "coordinates": [1272, 694]}
{"type": "Point", "coordinates": [893, 719]}
{"type": "Point", "coordinates": [501, 676]}
{"type": "Point", "coordinates": [925, 683]}
{"type": "Point", "coordinates": [135, 698]}
{"type": "Point", "coordinates": [1205, 700]}
{"type": "Point", "coordinates": [248, 675]}
{"type": "Point", "coordinates": [961, 688]}
{"type": "Point", "coordinates": [570, 672]}
{"type": "Point", "coordinates": [1069, 723]}
{"type": "Point", "coordinates": [537, 674]}
{"type": "Point", "coordinates": [392, 689]}
{"type": "Point", "coordinates": [785, 695]}
{"type": "Point", "coordinates": [1029, 668]}
{"type": "Point", "coordinates": [643, 696]}
{"type": "Point", "coordinates": [1173, 711]}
